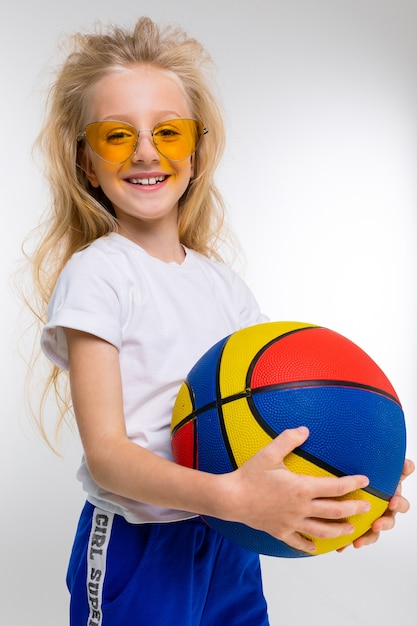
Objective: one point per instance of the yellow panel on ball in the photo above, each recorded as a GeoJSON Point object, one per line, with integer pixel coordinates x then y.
{"type": "Point", "coordinates": [183, 406]}
{"type": "Point", "coordinates": [245, 436]}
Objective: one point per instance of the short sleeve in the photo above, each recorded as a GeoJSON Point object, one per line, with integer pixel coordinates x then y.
{"type": "Point", "coordinates": [85, 298]}
{"type": "Point", "coordinates": [249, 310]}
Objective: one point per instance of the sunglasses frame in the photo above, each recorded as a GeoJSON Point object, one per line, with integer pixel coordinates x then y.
{"type": "Point", "coordinates": [203, 131]}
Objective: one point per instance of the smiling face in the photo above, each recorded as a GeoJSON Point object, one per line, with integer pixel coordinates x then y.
{"type": "Point", "coordinates": [146, 188]}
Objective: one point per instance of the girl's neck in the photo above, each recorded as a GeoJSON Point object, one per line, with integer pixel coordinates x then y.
{"type": "Point", "coordinates": [164, 246]}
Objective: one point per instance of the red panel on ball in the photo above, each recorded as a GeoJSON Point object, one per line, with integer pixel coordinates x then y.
{"type": "Point", "coordinates": [304, 355]}
{"type": "Point", "coordinates": [183, 445]}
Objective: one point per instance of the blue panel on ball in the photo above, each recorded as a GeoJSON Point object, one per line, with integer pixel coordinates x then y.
{"type": "Point", "coordinates": [202, 377]}
{"type": "Point", "coordinates": [354, 430]}
{"type": "Point", "coordinates": [253, 540]}
{"type": "Point", "coordinates": [212, 453]}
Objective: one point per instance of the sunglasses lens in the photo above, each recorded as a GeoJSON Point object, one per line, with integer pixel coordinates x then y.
{"type": "Point", "coordinates": [114, 142]}
{"type": "Point", "coordinates": [178, 139]}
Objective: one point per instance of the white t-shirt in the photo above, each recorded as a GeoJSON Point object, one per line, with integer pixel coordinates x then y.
{"type": "Point", "coordinates": [162, 317]}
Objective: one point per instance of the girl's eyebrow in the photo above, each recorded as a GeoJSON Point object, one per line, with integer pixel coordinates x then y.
{"type": "Point", "coordinates": [167, 115]}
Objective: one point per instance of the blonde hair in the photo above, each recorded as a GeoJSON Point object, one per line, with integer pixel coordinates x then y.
{"type": "Point", "coordinates": [79, 214]}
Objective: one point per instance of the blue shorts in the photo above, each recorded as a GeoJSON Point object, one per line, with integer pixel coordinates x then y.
{"type": "Point", "coordinates": [160, 574]}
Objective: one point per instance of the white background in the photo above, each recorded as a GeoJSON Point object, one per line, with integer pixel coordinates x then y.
{"type": "Point", "coordinates": [319, 177]}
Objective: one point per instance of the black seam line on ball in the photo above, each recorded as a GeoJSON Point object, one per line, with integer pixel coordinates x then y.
{"type": "Point", "coordinates": [333, 470]}
{"type": "Point", "coordinates": [299, 384]}
{"type": "Point", "coordinates": [247, 393]}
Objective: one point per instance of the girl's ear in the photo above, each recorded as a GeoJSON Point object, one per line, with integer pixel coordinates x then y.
{"type": "Point", "coordinates": [91, 175]}
{"type": "Point", "coordinates": [192, 165]}
{"type": "Point", "coordinates": [87, 166]}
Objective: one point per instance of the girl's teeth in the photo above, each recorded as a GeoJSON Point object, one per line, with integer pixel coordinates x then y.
{"type": "Point", "coordinates": [148, 181]}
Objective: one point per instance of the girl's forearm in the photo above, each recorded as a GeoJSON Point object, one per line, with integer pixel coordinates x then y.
{"type": "Point", "coordinates": [127, 469]}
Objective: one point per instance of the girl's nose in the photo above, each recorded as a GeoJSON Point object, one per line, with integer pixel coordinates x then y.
{"type": "Point", "coordinates": [145, 149]}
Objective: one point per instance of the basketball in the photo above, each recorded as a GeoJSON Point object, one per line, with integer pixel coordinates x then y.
{"type": "Point", "coordinates": [263, 379]}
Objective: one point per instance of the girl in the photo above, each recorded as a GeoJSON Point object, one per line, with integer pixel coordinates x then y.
{"type": "Point", "coordinates": [136, 294]}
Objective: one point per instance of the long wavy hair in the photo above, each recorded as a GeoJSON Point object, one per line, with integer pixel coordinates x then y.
{"type": "Point", "coordinates": [78, 213]}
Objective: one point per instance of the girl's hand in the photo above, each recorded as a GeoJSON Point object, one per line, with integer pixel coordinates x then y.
{"type": "Point", "coordinates": [398, 504]}
{"type": "Point", "coordinates": [265, 495]}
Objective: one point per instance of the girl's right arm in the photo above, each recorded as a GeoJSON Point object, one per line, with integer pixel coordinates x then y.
{"type": "Point", "coordinates": [262, 493]}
